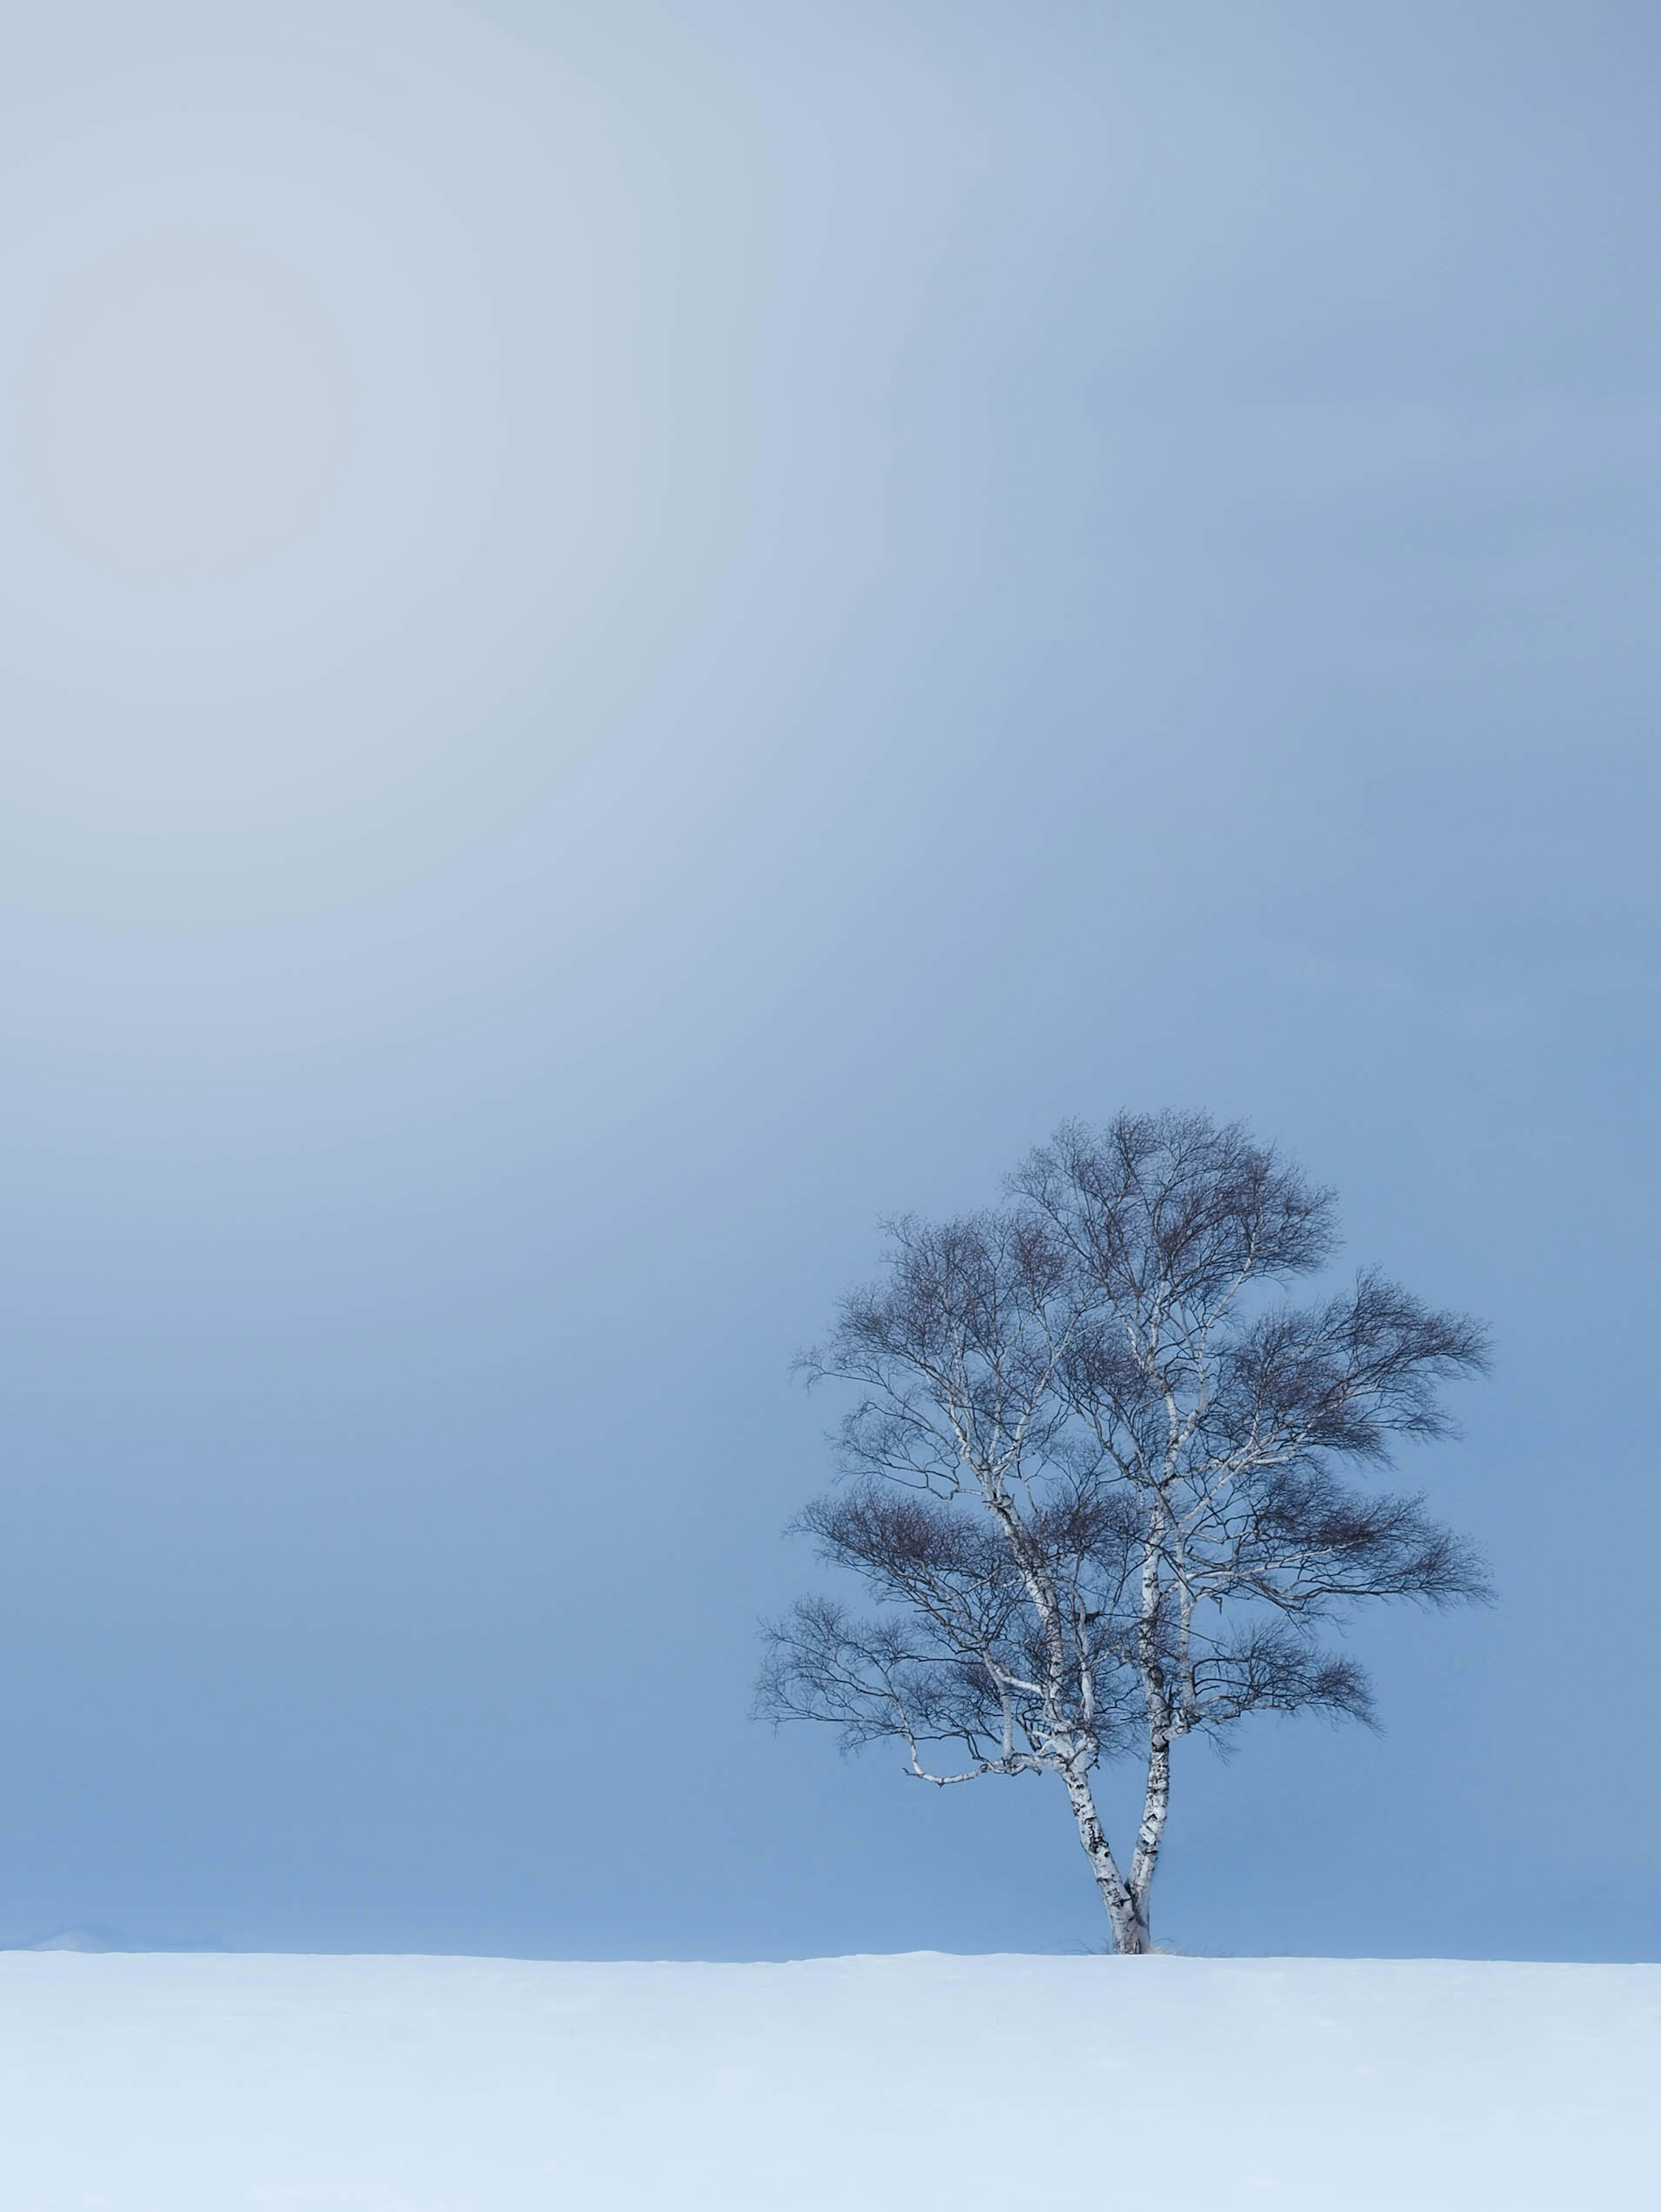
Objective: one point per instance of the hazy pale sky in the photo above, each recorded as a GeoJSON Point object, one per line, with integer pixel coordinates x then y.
{"type": "Point", "coordinates": [631, 636]}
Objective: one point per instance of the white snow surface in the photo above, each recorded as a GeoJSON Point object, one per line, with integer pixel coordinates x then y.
{"type": "Point", "coordinates": [935, 2084]}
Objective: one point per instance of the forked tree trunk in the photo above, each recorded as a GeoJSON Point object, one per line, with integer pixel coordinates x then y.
{"type": "Point", "coordinates": [1127, 1914]}
{"type": "Point", "coordinates": [1126, 1902]}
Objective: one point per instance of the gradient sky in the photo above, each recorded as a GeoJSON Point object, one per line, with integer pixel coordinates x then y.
{"type": "Point", "coordinates": [632, 635]}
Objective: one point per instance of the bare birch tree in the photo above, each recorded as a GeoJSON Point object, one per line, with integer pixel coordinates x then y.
{"type": "Point", "coordinates": [1097, 1476]}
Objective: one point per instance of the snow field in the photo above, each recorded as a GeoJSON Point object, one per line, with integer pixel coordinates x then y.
{"type": "Point", "coordinates": [923, 2083]}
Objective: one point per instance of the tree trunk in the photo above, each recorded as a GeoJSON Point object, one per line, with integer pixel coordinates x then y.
{"type": "Point", "coordinates": [1127, 1914]}
{"type": "Point", "coordinates": [1156, 1804]}
{"type": "Point", "coordinates": [1132, 1938]}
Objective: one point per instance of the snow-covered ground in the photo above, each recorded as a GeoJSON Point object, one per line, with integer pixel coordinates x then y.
{"type": "Point", "coordinates": [193, 2084]}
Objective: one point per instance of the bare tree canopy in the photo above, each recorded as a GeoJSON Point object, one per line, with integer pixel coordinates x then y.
{"type": "Point", "coordinates": [1100, 1475]}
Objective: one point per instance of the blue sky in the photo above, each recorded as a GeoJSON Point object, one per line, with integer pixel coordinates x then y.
{"type": "Point", "coordinates": [632, 637]}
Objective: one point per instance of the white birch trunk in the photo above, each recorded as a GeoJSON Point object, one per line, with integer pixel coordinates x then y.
{"type": "Point", "coordinates": [1126, 1914]}
{"type": "Point", "coordinates": [1156, 1804]}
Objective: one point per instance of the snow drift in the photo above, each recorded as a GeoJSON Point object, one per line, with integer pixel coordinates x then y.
{"type": "Point", "coordinates": [934, 2084]}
